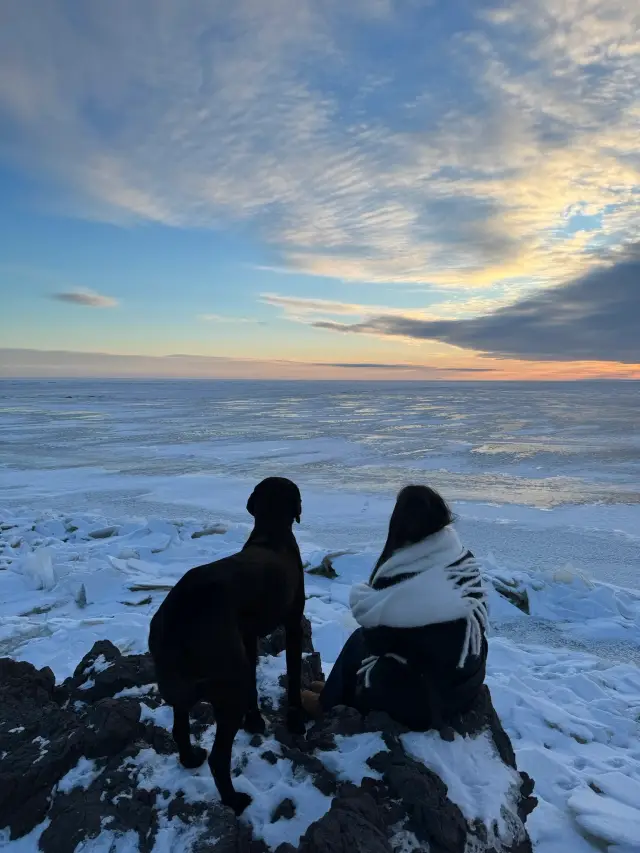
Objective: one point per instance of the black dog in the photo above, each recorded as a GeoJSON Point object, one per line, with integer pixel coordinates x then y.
{"type": "Point", "coordinates": [204, 636]}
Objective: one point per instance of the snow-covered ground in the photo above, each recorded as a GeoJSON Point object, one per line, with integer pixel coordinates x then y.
{"type": "Point", "coordinates": [109, 492]}
{"type": "Point", "coordinates": [573, 715]}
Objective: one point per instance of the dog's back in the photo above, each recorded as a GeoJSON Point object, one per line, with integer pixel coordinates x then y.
{"type": "Point", "coordinates": [196, 634]}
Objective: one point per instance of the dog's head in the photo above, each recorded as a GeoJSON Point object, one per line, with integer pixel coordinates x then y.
{"type": "Point", "coordinates": [276, 499]}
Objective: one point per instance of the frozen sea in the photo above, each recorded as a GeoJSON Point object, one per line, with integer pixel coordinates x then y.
{"type": "Point", "coordinates": [542, 475]}
{"type": "Point", "coordinates": [111, 490]}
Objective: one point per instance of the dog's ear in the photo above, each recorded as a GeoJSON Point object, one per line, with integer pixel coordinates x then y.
{"type": "Point", "coordinates": [251, 504]}
{"type": "Point", "coordinates": [298, 506]}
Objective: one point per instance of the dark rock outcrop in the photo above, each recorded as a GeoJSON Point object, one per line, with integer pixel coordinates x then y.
{"type": "Point", "coordinates": [104, 671]}
{"type": "Point", "coordinates": [353, 824]}
{"type": "Point", "coordinates": [48, 731]}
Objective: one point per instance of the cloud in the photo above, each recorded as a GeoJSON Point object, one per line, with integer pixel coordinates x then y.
{"type": "Point", "coordinates": [304, 305]}
{"type": "Point", "coordinates": [365, 365]}
{"type": "Point", "coordinates": [86, 297]}
{"type": "Point", "coordinates": [222, 318]}
{"type": "Point", "coordinates": [406, 367]}
{"type": "Point", "coordinates": [28, 363]}
{"type": "Point", "coordinates": [303, 308]}
{"type": "Point", "coordinates": [596, 317]}
{"type": "Point", "coordinates": [401, 142]}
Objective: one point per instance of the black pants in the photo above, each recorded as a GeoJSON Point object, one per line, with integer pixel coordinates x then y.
{"type": "Point", "coordinates": [340, 688]}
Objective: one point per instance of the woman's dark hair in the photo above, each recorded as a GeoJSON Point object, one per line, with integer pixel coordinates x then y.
{"type": "Point", "coordinates": [419, 512]}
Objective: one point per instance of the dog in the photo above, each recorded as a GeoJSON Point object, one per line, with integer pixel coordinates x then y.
{"type": "Point", "coordinates": [204, 636]}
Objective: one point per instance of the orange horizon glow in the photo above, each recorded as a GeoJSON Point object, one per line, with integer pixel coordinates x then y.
{"type": "Point", "coordinates": [36, 364]}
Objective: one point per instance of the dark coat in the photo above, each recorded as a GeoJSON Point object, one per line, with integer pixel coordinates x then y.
{"type": "Point", "coordinates": [430, 688]}
{"type": "Point", "coordinates": [421, 694]}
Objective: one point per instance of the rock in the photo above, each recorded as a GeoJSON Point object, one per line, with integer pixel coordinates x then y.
{"type": "Point", "coordinates": [223, 833]}
{"type": "Point", "coordinates": [286, 810]}
{"type": "Point", "coordinates": [21, 681]}
{"type": "Point", "coordinates": [103, 533]}
{"type": "Point", "coordinates": [40, 740]}
{"type": "Point", "coordinates": [141, 602]}
{"type": "Point", "coordinates": [104, 671]}
{"type": "Point", "coordinates": [212, 530]}
{"type": "Point", "coordinates": [433, 818]}
{"type": "Point", "coordinates": [110, 726]}
{"type": "Point", "coordinates": [81, 597]}
{"type": "Point", "coordinates": [311, 671]}
{"type": "Point", "coordinates": [323, 779]}
{"type": "Point", "coordinates": [518, 596]}
{"type": "Point", "coordinates": [352, 825]}
{"type": "Point", "coordinates": [340, 721]}
{"type": "Point", "coordinates": [379, 721]}
{"type": "Point", "coordinates": [324, 570]}
{"type": "Point", "coordinates": [158, 739]}
{"type": "Point", "coordinates": [112, 801]}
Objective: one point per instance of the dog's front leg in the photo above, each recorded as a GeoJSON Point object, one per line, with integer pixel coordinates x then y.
{"type": "Point", "coordinates": [253, 721]}
{"type": "Point", "coordinates": [295, 714]}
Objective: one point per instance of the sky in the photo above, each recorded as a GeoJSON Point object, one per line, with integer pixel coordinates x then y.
{"type": "Point", "coordinates": [409, 189]}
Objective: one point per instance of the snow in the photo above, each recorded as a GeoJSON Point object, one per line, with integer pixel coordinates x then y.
{"type": "Point", "coordinates": [118, 481]}
{"type": "Point", "coordinates": [349, 760]}
{"type": "Point", "coordinates": [268, 785]}
{"type": "Point", "coordinates": [478, 783]}
{"type": "Point", "coordinates": [80, 776]}
{"type": "Point", "coordinates": [606, 817]}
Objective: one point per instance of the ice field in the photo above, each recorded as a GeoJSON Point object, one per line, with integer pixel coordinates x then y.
{"type": "Point", "coordinates": [109, 491]}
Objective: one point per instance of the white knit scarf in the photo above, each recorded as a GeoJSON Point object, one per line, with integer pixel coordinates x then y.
{"type": "Point", "coordinates": [435, 592]}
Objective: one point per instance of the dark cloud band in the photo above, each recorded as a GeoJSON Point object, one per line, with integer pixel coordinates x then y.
{"type": "Point", "coordinates": [594, 318]}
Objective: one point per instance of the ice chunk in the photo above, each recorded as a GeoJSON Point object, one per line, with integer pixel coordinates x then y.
{"type": "Point", "coordinates": [606, 818]}
{"type": "Point", "coordinates": [37, 566]}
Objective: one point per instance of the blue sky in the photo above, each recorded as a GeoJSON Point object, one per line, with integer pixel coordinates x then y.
{"type": "Point", "coordinates": [258, 180]}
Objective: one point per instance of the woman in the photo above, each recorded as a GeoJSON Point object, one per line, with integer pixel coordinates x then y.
{"type": "Point", "coordinates": [420, 653]}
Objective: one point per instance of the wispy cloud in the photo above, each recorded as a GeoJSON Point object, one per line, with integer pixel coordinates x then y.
{"type": "Point", "coordinates": [304, 305]}
{"type": "Point", "coordinates": [594, 318]}
{"type": "Point", "coordinates": [412, 368]}
{"type": "Point", "coordinates": [86, 297]}
{"type": "Point", "coordinates": [304, 309]}
{"type": "Point", "coordinates": [17, 363]}
{"type": "Point", "coordinates": [223, 318]}
{"type": "Point", "coordinates": [464, 154]}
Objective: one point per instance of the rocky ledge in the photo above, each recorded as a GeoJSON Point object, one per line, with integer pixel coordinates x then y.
{"type": "Point", "coordinates": [74, 764]}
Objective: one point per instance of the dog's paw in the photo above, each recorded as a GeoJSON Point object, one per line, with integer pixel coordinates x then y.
{"type": "Point", "coordinates": [238, 802]}
{"type": "Point", "coordinates": [254, 723]}
{"type": "Point", "coordinates": [195, 758]}
{"type": "Point", "coordinates": [296, 721]}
